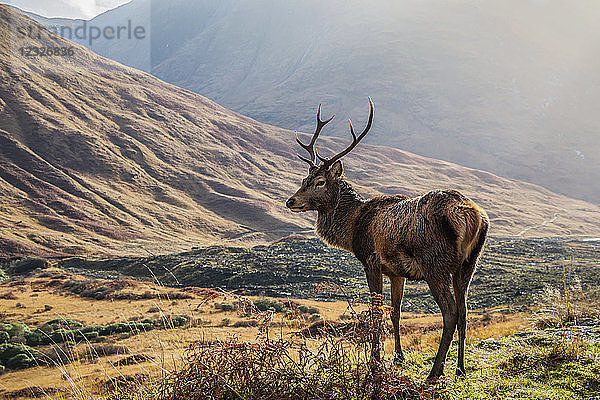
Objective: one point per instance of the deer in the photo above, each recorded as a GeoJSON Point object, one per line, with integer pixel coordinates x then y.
{"type": "Point", "coordinates": [437, 237]}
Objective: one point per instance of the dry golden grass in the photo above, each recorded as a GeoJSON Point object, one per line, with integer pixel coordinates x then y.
{"type": "Point", "coordinates": [169, 346]}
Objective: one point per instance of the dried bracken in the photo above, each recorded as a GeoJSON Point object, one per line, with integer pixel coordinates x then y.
{"type": "Point", "coordinates": [333, 367]}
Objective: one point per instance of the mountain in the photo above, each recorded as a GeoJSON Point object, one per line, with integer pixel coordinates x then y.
{"type": "Point", "coordinates": [98, 158]}
{"type": "Point", "coordinates": [66, 8]}
{"type": "Point", "coordinates": [510, 87]}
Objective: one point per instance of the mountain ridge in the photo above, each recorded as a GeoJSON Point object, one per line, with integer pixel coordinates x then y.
{"type": "Point", "coordinates": [101, 159]}
{"type": "Point", "coordinates": [505, 87]}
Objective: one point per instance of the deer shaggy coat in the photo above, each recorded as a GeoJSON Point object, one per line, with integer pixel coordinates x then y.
{"type": "Point", "coordinates": [437, 237]}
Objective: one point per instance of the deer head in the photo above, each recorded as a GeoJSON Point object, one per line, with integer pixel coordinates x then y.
{"type": "Point", "coordinates": [320, 189]}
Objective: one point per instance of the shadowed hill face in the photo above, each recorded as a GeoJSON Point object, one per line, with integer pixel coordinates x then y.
{"type": "Point", "coordinates": [509, 87]}
{"type": "Point", "coordinates": [100, 158]}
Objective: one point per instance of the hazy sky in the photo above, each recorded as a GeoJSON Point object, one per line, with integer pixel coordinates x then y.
{"type": "Point", "coordinates": [66, 8]}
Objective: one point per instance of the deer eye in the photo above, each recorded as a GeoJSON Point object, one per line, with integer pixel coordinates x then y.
{"type": "Point", "coordinates": [320, 183]}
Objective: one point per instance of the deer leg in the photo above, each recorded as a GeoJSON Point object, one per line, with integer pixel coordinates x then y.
{"type": "Point", "coordinates": [461, 281]}
{"type": "Point", "coordinates": [440, 288]}
{"type": "Point", "coordinates": [375, 282]}
{"type": "Point", "coordinates": [397, 293]}
{"type": "Point", "coordinates": [461, 306]}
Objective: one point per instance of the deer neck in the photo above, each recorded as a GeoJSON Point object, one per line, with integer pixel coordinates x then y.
{"type": "Point", "coordinates": [336, 225]}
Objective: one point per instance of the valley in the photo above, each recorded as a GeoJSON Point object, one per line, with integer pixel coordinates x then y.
{"type": "Point", "coordinates": [146, 250]}
{"type": "Point", "coordinates": [87, 325]}
{"type": "Point", "coordinates": [507, 87]}
{"type": "Point", "coordinates": [99, 159]}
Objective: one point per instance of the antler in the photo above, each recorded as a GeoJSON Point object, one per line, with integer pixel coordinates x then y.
{"type": "Point", "coordinates": [311, 146]}
{"type": "Point", "coordinates": [355, 140]}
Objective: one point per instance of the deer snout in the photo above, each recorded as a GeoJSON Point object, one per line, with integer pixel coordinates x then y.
{"type": "Point", "coordinates": [294, 205]}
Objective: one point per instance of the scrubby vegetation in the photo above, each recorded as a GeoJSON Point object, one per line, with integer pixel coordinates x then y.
{"type": "Point", "coordinates": [547, 361]}
{"type": "Point", "coordinates": [237, 346]}
{"type": "Point", "coordinates": [533, 364]}
{"type": "Point", "coordinates": [27, 264]}
{"type": "Point", "coordinates": [19, 343]}
{"type": "Point", "coordinates": [108, 289]}
{"type": "Point", "coordinates": [512, 271]}
{"type": "Point", "coordinates": [291, 308]}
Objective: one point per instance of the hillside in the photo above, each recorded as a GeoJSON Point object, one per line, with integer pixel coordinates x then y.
{"type": "Point", "coordinates": [510, 271]}
{"type": "Point", "coordinates": [507, 87]}
{"type": "Point", "coordinates": [98, 158]}
{"type": "Point", "coordinates": [63, 8]}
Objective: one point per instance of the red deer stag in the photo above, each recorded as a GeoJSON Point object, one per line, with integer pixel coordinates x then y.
{"type": "Point", "coordinates": [436, 237]}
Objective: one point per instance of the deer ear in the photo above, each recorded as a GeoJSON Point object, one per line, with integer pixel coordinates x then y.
{"type": "Point", "coordinates": [336, 170]}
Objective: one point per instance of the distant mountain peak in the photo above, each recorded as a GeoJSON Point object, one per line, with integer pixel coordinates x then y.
{"type": "Point", "coordinates": [509, 87]}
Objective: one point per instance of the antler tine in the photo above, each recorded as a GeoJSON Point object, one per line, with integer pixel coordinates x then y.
{"type": "Point", "coordinates": [307, 148]}
{"type": "Point", "coordinates": [355, 140]}
{"type": "Point", "coordinates": [310, 148]}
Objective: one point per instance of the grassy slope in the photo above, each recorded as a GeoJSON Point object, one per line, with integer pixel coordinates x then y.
{"type": "Point", "coordinates": [506, 358]}
{"type": "Point", "coordinates": [98, 158]}
{"type": "Point", "coordinates": [548, 349]}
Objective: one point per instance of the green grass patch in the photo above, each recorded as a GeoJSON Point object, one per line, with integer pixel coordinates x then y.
{"type": "Point", "coordinates": [19, 342]}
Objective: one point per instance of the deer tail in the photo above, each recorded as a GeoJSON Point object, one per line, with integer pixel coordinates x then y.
{"type": "Point", "coordinates": [471, 224]}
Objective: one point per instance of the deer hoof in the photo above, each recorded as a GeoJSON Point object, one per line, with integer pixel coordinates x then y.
{"type": "Point", "coordinates": [398, 359]}
{"type": "Point", "coordinates": [434, 380]}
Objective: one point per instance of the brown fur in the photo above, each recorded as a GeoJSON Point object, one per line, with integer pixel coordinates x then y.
{"type": "Point", "coordinates": [436, 237]}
